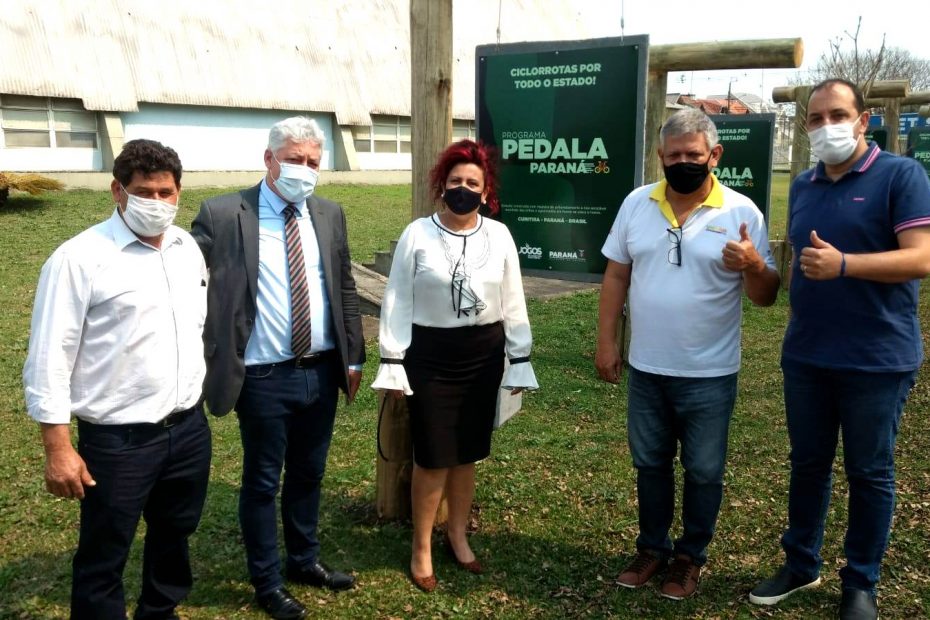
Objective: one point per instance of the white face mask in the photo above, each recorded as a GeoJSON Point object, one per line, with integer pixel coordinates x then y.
{"type": "Point", "coordinates": [295, 183]}
{"type": "Point", "coordinates": [834, 144]}
{"type": "Point", "coordinates": [148, 217]}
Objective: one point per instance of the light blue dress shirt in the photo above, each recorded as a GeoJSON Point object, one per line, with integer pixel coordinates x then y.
{"type": "Point", "coordinates": [271, 337]}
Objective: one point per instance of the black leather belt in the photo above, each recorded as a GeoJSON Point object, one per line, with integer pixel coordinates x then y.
{"type": "Point", "coordinates": [306, 361]}
{"type": "Point", "coordinates": [312, 359]}
{"type": "Point", "coordinates": [172, 419]}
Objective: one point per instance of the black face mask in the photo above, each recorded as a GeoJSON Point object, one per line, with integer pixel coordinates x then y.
{"type": "Point", "coordinates": [461, 200]}
{"type": "Point", "coordinates": [685, 177]}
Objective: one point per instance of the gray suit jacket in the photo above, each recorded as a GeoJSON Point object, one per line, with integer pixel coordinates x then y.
{"type": "Point", "coordinates": [227, 231]}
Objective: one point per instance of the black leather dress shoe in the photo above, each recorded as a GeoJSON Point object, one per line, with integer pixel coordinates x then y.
{"type": "Point", "coordinates": [320, 576]}
{"type": "Point", "coordinates": [858, 605]}
{"type": "Point", "coordinates": [280, 605]}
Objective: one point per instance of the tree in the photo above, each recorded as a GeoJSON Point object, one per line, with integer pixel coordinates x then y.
{"type": "Point", "coordinates": [860, 66]}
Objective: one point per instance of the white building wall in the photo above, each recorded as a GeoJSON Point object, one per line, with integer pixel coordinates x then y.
{"type": "Point", "coordinates": [50, 160]}
{"type": "Point", "coordinates": [213, 138]}
{"type": "Point", "coordinates": [384, 161]}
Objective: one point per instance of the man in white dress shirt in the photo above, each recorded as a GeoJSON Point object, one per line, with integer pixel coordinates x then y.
{"type": "Point", "coordinates": [116, 342]}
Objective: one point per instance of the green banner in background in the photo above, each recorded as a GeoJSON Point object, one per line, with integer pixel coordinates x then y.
{"type": "Point", "coordinates": [567, 119]}
{"type": "Point", "coordinates": [746, 164]}
{"type": "Point", "coordinates": [879, 135]}
{"type": "Point", "coordinates": [918, 146]}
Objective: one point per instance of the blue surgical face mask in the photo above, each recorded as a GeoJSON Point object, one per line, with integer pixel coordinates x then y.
{"type": "Point", "coordinates": [295, 183]}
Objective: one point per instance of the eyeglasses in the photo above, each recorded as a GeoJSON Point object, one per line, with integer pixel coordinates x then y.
{"type": "Point", "coordinates": [674, 255]}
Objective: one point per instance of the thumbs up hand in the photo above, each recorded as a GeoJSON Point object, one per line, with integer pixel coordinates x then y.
{"type": "Point", "coordinates": [742, 255]}
{"type": "Point", "coordinates": [820, 260]}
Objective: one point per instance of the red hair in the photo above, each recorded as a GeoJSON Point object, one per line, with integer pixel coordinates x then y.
{"type": "Point", "coordinates": [467, 152]}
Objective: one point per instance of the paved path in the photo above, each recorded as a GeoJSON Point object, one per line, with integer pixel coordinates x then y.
{"type": "Point", "coordinates": [371, 288]}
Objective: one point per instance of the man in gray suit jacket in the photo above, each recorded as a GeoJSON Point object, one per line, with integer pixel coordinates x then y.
{"type": "Point", "coordinates": [283, 335]}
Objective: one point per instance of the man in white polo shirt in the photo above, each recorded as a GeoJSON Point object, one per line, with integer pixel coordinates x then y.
{"type": "Point", "coordinates": [682, 251]}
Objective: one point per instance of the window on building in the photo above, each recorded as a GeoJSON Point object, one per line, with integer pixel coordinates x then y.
{"type": "Point", "coordinates": [462, 130]}
{"type": "Point", "coordinates": [46, 122]}
{"type": "Point", "coordinates": [361, 136]}
{"type": "Point", "coordinates": [391, 134]}
{"type": "Point", "coordinates": [386, 134]}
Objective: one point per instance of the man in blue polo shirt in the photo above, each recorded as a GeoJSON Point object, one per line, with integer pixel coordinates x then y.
{"type": "Point", "coordinates": [860, 231]}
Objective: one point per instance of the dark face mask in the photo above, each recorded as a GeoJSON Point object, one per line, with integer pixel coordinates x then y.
{"type": "Point", "coordinates": [685, 177]}
{"type": "Point", "coordinates": [461, 200]}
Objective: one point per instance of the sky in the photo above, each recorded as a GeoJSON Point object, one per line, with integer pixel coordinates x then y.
{"type": "Point", "coordinates": [816, 22]}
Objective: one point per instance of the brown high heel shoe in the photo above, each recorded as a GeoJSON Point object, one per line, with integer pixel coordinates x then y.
{"type": "Point", "coordinates": [473, 567]}
{"type": "Point", "coordinates": [426, 584]}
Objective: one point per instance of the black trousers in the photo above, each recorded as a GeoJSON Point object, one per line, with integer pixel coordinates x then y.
{"type": "Point", "coordinates": [156, 472]}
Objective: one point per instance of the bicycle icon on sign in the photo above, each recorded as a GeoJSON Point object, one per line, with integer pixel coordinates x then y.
{"type": "Point", "coordinates": [601, 167]}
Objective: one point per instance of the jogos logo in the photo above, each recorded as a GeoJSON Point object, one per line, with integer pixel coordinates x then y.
{"type": "Point", "coordinates": [530, 252]}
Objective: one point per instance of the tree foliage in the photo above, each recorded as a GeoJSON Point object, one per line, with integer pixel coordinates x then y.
{"type": "Point", "coordinates": [860, 66]}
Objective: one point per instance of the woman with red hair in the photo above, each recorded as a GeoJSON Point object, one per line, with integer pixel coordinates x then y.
{"type": "Point", "coordinates": [453, 308]}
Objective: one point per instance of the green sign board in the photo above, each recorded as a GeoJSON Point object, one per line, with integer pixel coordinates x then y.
{"type": "Point", "coordinates": [918, 146]}
{"type": "Point", "coordinates": [746, 164]}
{"type": "Point", "coordinates": [879, 135]}
{"type": "Point", "coordinates": [567, 119]}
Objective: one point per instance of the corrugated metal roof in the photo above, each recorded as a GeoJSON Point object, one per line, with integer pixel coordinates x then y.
{"type": "Point", "coordinates": [348, 57]}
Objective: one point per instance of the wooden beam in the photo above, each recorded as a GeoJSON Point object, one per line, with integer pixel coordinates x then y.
{"type": "Point", "coordinates": [710, 55]}
{"type": "Point", "coordinates": [889, 88]}
{"type": "Point", "coordinates": [916, 98]}
{"type": "Point", "coordinates": [924, 111]}
{"type": "Point", "coordinates": [882, 89]}
{"type": "Point", "coordinates": [431, 93]}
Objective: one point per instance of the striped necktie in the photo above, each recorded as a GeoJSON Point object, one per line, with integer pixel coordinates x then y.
{"type": "Point", "coordinates": [300, 293]}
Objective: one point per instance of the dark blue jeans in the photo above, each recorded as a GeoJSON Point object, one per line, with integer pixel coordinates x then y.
{"type": "Point", "coordinates": [664, 411]}
{"type": "Point", "coordinates": [286, 419]}
{"type": "Point", "coordinates": [866, 408]}
{"type": "Point", "coordinates": [148, 471]}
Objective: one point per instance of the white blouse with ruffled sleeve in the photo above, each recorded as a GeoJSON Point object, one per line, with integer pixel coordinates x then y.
{"type": "Point", "coordinates": [441, 278]}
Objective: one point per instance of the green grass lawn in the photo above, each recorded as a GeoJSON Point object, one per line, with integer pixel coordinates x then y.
{"type": "Point", "coordinates": [555, 504]}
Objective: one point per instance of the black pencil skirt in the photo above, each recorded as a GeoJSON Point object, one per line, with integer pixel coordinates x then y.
{"type": "Point", "coordinates": [455, 374]}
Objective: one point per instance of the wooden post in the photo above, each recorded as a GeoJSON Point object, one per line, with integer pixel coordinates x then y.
{"type": "Point", "coordinates": [395, 467]}
{"type": "Point", "coordinates": [800, 145]}
{"type": "Point", "coordinates": [431, 93]}
{"type": "Point", "coordinates": [655, 116]}
{"type": "Point", "coordinates": [431, 132]}
{"type": "Point", "coordinates": [800, 161]}
{"type": "Point", "coordinates": [892, 123]}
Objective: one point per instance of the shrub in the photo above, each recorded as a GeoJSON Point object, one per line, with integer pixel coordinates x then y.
{"type": "Point", "coordinates": [29, 183]}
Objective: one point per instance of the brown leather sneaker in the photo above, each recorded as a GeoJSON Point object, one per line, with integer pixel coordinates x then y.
{"type": "Point", "coordinates": [640, 570]}
{"type": "Point", "coordinates": [682, 578]}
